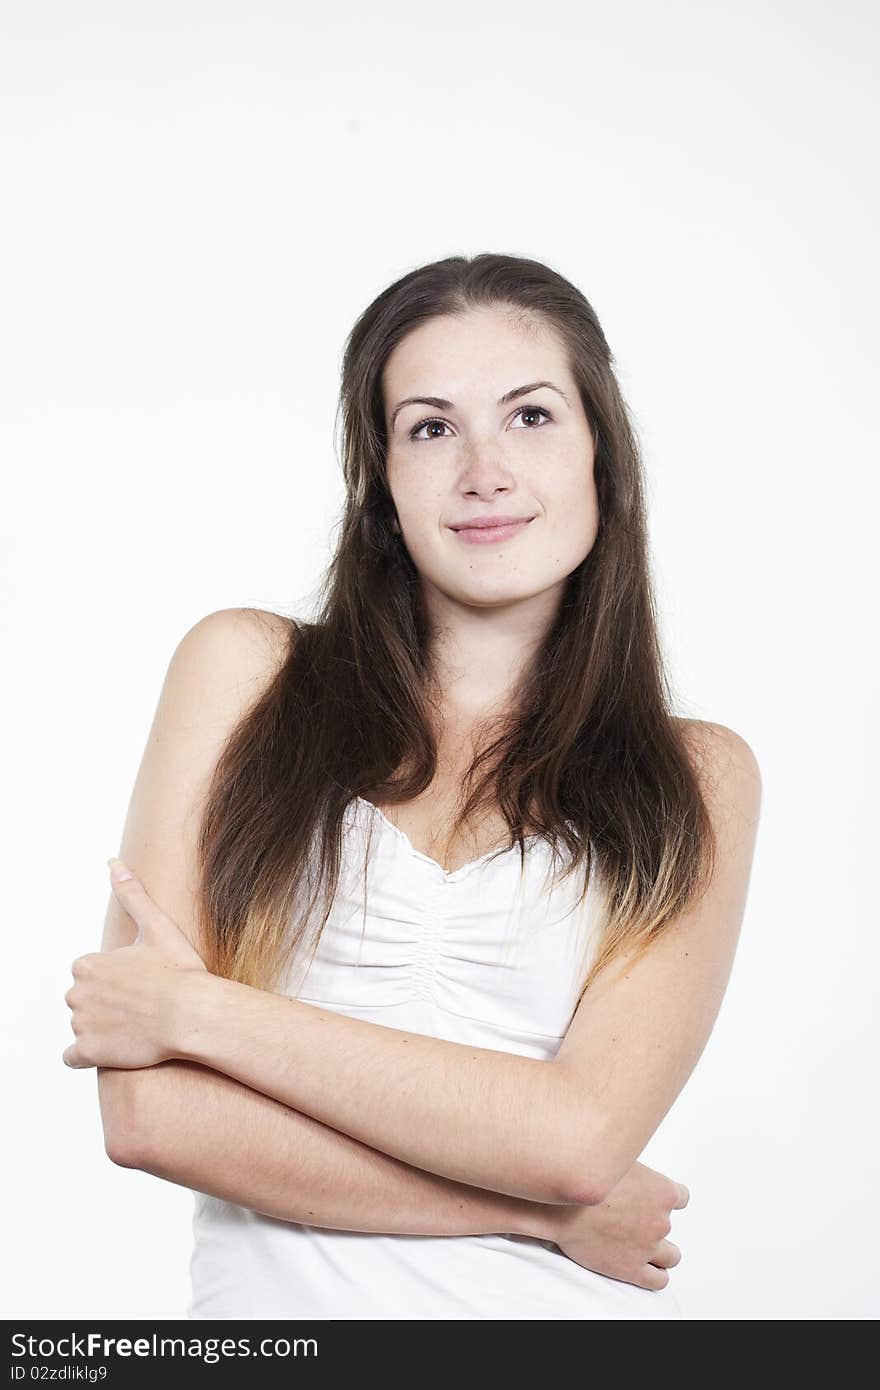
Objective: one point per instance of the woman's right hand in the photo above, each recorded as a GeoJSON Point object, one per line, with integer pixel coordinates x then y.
{"type": "Point", "coordinates": [625, 1236]}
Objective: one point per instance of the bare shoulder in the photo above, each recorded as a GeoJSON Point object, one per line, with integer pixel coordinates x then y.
{"type": "Point", "coordinates": [217, 673]}
{"type": "Point", "coordinates": [726, 764]}
{"type": "Point", "coordinates": [247, 644]}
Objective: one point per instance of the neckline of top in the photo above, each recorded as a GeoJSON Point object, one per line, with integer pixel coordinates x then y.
{"type": "Point", "coordinates": [500, 852]}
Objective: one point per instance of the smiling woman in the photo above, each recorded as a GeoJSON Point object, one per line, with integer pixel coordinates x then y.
{"type": "Point", "coordinates": [526, 482]}
{"type": "Point", "coordinates": [465, 890]}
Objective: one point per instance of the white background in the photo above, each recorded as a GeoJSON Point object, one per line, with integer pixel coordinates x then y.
{"type": "Point", "coordinates": [199, 200]}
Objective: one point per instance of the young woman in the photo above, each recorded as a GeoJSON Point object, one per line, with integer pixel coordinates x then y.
{"type": "Point", "coordinates": [435, 900]}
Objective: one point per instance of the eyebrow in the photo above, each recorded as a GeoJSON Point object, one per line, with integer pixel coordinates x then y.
{"type": "Point", "coordinates": [439, 403]}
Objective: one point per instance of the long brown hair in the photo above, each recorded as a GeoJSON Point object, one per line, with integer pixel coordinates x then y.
{"type": "Point", "coordinates": [591, 757]}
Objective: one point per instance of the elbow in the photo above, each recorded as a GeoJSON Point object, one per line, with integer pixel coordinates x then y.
{"type": "Point", "coordinates": [586, 1183]}
{"type": "Point", "coordinates": [583, 1186]}
{"type": "Point", "coordinates": [590, 1181]}
{"type": "Point", "coordinates": [583, 1180]}
{"type": "Point", "coordinates": [581, 1194]}
{"type": "Point", "coordinates": [124, 1153]}
{"type": "Point", "coordinates": [122, 1137]}
{"type": "Point", "coordinates": [547, 1177]}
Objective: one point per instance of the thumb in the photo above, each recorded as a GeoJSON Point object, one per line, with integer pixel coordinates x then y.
{"type": "Point", "coordinates": [133, 896]}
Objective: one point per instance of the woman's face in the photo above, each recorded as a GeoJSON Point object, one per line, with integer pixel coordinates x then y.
{"type": "Point", "coordinates": [470, 454]}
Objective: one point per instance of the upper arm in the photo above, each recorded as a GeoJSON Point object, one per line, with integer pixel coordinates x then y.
{"type": "Point", "coordinates": [218, 670]}
{"type": "Point", "coordinates": [641, 1027]}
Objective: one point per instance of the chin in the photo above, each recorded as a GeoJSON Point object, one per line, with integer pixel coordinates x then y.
{"type": "Point", "coordinates": [495, 596]}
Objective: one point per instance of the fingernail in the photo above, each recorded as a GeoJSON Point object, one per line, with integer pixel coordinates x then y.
{"type": "Point", "coordinates": [118, 870]}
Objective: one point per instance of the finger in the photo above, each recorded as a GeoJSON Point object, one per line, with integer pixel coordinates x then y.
{"type": "Point", "coordinates": [666, 1255]}
{"type": "Point", "coordinates": [133, 896]}
{"type": "Point", "coordinates": [683, 1197]}
{"type": "Point", "coordinates": [653, 1278]}
{"type": "Point", "coordinates": [69, 1056]}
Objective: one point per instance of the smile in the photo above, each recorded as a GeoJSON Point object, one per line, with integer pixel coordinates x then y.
{"type": "Point", "coordinates": [491, 535]}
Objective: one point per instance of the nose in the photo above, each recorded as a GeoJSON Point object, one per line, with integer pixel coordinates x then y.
{"type": "Point", "coordinates": [486, 470]}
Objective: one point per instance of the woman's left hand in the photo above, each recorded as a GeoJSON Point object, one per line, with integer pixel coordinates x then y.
{"type": "Point", "coordinates": [127, 1004]}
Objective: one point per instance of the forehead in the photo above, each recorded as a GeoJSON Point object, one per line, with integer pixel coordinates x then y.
{"type": "Point", "coordinates": [469, 354]}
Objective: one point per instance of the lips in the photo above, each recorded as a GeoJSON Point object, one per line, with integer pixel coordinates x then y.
{"type": "Point", "coordinates": [489, 531]}
{"type": "Point", "coordinates": [484, 523]}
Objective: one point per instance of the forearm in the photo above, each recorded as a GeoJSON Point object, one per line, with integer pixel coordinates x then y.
{"type": "Point", "coordinates": [205, 1131]}
{"type": "Point", "coordinates": [491, 1119]}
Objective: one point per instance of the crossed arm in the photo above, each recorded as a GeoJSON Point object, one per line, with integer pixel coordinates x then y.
{"type": "Point", "coordinates": [187, 1124]}
{"type": "Point", "coordinates": [558, 1132]}
{"type": "Point", "coordinates": [493, 1119]}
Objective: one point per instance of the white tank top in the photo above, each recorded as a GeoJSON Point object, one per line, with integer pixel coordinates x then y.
{"type": "Point", "coordinates": [484, 955]}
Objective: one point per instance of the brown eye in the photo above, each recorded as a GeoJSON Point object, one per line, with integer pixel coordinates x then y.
{"type": "Point", "coordinates": [521, 412]}
{"type": "Point", "coordinates": [417, 428]}
{"type": "Point", "coordinates": [534, 410]}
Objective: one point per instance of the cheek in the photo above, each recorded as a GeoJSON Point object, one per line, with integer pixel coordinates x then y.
{"type": "Point", "coordinates": [573, 518]}
{"type": "Point", "coordinates": [410, 490]}
{"type": "Point", "coordinates": [582, 506]}
{"type": "Point", "coordinates": [419, 513]}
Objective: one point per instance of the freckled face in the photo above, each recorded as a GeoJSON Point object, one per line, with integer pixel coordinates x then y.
{"type": "Point", "coordinates": [476, 455]}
